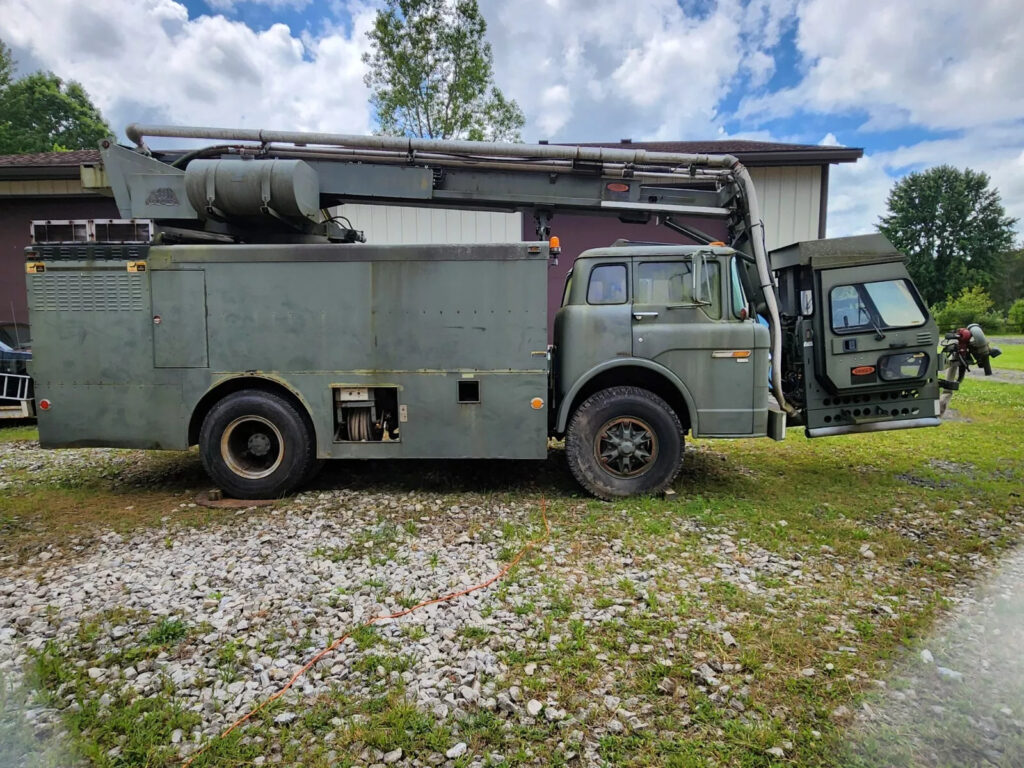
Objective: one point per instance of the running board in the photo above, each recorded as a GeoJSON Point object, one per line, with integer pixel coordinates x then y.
{"type": "Point", "coordinates": [876, 426]}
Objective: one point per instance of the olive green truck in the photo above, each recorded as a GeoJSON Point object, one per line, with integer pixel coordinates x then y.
{"type": "Point", "coordinates": [234, 307]}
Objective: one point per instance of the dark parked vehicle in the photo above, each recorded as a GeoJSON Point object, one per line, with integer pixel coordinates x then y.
{"type": "Point", "coordinates": [15, 384]}
{"type": "Point", "coordinates": [13, 360]}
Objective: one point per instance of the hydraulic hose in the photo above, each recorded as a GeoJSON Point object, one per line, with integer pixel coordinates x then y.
{"type": "Point", "coordinates": [766, 279]}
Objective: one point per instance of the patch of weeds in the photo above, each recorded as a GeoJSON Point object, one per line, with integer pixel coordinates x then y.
{"type": "Point", "coordinates": [137, 728]}
{"type": "Point", "coordinates": [373, 663]}
{"type": "Point", "coordinates": [474, 633]}
{"type": "Point", "coordinates": [227, 659]}
{"type": "Point", "coordinates": [524, 608]}
{"type": "Point", "coordinates": [414, 631]}
{"type": "Point", "coordinates": [365, 637]}
{"type": "Point", "coordinates": [166, 632]}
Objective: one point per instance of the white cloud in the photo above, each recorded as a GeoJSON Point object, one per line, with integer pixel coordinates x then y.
{"type": "Point", "coordinates": [637, 70]}
{"type": "Point", "coordinates": [584, 70]}
{"type": "Point", "coordinates": [147, 61]}
{"type": "Point", "coordinates": [944, 65]}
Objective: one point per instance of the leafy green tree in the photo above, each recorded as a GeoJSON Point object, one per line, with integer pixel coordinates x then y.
{"type": "Point", "coordinates": [1015, 317]}
{"type": "Point", "coordinates": [952, 227]}
{"type": "Point", "coordinates": [6, 65]}
{"type": "Point", "coordinates": [1008, 284]}
{"type": "Point", "coordinates": [431, 73]}
{"type": "Point", "coordinates": [42, 113]}
{"type": "Point", "coordinates": [972, 305]}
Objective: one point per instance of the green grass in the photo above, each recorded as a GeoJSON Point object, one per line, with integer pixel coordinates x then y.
{"type": "Point", "coordinates": [18, 431]}
{"type": "Point", "coordinates": [1012, 356]}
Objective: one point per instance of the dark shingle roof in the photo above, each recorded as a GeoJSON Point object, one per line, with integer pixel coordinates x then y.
{"type": "Point", "coordinates": [51, 159]}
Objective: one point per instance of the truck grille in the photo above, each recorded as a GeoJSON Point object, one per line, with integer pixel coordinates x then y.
{"type": "Point", "coordinates": [88, 292]}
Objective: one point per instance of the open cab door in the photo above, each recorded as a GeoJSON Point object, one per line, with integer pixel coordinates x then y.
{"type": "Point", "coordinates": [861, 348]}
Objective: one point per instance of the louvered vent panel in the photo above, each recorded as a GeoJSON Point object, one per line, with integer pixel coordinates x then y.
{"type": "Point", "coordinates": [924, 337]}
{"type": "Point", "coordinates": [85, 292]}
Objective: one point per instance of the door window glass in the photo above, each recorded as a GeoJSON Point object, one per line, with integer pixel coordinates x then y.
{"type": "Point", "coordinates": [671, 282]}
{"type": "Point", "coordinates": [739, 300]}
{"type": "Point", "coordinates": [607, 284]}
{"type": "Point", "coordinates": [568, 288]}
{"type": "Point", "coordinates": [865, 306]}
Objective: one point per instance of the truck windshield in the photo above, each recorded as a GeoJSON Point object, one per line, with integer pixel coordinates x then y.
{"type": "Point", "coordinates": [887, 304]}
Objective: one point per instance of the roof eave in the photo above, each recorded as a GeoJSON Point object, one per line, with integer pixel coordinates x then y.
{"type": "Point", "coordinates": [32, 172]}
{"type": "Point", "coordinates": [800, 157]}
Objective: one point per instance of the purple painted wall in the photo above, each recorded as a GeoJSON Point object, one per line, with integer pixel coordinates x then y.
{"type": "Point", "coordinates": [15, 216]}
{"type": "Point", "coordinates": [580, 233]}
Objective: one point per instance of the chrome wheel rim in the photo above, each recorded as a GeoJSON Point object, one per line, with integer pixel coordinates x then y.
{"type": "Point", "coordinates": [252, 447]}
{"type": "Point", "coordinates": [626, 447]}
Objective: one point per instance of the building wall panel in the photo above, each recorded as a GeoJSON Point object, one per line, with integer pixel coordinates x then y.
{"type": "Point", "coordinates": [394, 224]}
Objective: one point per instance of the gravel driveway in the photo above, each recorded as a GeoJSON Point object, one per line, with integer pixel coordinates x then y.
{"type": "Point", "coordinates": [737, 624]}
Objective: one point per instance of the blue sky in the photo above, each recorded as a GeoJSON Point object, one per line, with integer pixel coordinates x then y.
{"type": "Point", "coordinates": [913, 84]}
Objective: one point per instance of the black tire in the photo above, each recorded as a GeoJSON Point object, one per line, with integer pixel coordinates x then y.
{"type": "Point", "coordinates": [256, 445]}
{"type": "Point", "coordinates": [624, 441]}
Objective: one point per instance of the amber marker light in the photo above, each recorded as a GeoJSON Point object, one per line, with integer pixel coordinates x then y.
{"type": "Point", "coordinates": [537, 403]}
{"type": "Point", "coordinates": [736, 354]}
{"type": "Point", "coordinates": [554, 245]}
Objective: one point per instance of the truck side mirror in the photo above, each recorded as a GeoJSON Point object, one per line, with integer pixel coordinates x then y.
{"type": "Point", "coordinates": [701, 283]}
{"type": "Point", "coordinates": [697, 268]}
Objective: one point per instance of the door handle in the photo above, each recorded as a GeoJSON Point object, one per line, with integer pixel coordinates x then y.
{"type": "Point", "coordinates": [642, 315]}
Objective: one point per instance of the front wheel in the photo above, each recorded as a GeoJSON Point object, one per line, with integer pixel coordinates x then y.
{"type": "Point", "coordinates": [624, 441]}
{"type": "Point", "coordinates": [256, 445]}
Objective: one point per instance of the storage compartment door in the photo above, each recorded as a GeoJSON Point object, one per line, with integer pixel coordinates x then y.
{"type": "Point", "coordinates": [179, 319]}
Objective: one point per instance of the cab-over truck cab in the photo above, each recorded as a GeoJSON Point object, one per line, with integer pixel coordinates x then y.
{"type": "Point", "coordinates": [657, 327]}
{"type": "Point", "coordinates": [655, 341]}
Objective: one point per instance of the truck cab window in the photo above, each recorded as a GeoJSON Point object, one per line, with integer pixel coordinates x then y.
{"type": "Point", "coordinates": [671, 282]}
{"type": "Point", "coordinates": [885, 304]}
{"type": "Point", "coordinates": [607, 284]}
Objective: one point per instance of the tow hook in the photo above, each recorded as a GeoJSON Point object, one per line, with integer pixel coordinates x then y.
{"type": "Point", "coordinates": [963, 348]}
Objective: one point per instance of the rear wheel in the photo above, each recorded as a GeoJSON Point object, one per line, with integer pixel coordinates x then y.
{"type": "Point", "coordinates": [256, 445]}
{"type": "Point", "coordinates": [624, 441]}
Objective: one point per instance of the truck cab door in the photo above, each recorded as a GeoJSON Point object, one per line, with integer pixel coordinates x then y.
{"type": "Point", "coordinates": [877, 333]}
{"type": "Point", "coordinates": [873, 353]}
{"type": "Point", "coordinates": [698, 339]}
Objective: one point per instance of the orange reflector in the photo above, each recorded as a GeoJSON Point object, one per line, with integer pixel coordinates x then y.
{"type": "Point", "coordinates": [537, 403]}
{"type": "Point", "coordinates": [732, 353]}
{"type": "Point", "coordinates": [617, 186]}
{"type": "Point", "coordinates": [44, 404]}
{"type": "Point", "coordinates": [717, 242]}
{"type": "Point", "coordinates": [863, 370]}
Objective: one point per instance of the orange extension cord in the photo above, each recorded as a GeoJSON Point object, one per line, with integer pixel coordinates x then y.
{"type": "Point", "coordinates": [334, 646]}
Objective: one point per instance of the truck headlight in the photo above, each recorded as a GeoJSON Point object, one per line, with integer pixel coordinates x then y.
{"type": "Point", "coordinates": [909, 365]}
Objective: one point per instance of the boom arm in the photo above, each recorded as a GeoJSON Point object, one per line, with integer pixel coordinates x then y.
{"type": "Point", "coordinates": [276, 185]}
